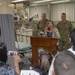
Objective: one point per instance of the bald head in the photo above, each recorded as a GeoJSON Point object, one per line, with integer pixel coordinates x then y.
{"type": "Point", "coordinates": [64, 64]}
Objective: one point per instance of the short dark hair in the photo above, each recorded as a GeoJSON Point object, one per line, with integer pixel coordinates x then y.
{"type": "Point", "coordinates": [3, 52]}
{"type": "Point", "coordinates": [64, 64]}
{"type": "Point", "coordinates": [64, 14]}
{"type": "Point", "coordinates": [72, 36]}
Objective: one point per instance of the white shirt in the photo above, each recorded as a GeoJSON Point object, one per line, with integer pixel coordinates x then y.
{"type": "Point", "coordinates": [71, 50]}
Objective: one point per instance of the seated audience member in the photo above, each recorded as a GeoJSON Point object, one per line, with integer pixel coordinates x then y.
{"type": "Point", "coordinates": [71, 51]}
{"type": "Point", "coordinates": [51, 31]}
{"type": "Point", "coordinates": [44, 63]}
{"type": "Point", "coordinates": [64, 64]}
{"type": "Point", "coordinates": [72, 41]}
{"type": "Point", "coordinates": [6, 69]}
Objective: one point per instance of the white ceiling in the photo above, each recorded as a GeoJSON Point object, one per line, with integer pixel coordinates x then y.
{"type": "Point", "coordinates": [31, 1]}
{"type": "Point", "coordinates": [50, 0]}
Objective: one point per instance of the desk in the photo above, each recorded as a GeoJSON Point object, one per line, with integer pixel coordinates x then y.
{"type": "Point", "coordinates": [47, 43]}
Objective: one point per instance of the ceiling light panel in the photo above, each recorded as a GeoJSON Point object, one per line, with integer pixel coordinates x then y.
{"type": "Point", "coordinates": [62, 1]}
{"type": "Point", "coordinates": [19, 0]}
{"type": "Point", "coordinates": [41, 1]}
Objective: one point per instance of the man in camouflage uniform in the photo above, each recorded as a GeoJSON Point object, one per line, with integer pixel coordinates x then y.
{"type": "Point", "coordinates": [64, 28]}
{"type": "Point", "coordinates": [42, 23]}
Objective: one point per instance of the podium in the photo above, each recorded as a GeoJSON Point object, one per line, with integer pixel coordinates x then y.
{"type": "Point", "coordinates": [48, 44]}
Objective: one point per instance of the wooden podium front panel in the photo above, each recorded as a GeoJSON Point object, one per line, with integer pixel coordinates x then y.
{"type": "Point", "coordinates": [40, 41]}
{"type": "Point", "coordinates": [48, 44]}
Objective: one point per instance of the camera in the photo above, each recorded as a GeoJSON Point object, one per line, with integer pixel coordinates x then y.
{"type": "Point", "coordinates": [12, 53]}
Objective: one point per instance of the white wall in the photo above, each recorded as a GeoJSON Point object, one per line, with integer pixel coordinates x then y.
{"type": "Point", "coordinates": [5, 8]}
{"type": "Point", "coordinates": [54, 11]}
{"type": "Point", "coordinates": [57, 9]}
{"type": "Point", "coordinates": [38, 10]}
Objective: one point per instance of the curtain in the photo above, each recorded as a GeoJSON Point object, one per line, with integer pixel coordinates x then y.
{"type": "Point", "coordinates": [58, 9]}
{"type": "Point", "coordinates": [38, 10]}
{"type": "Point", "coordinates": [7, 33]}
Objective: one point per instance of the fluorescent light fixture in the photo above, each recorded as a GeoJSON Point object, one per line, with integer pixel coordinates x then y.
{"type": "Point", "coordinates": [59, 1]}
{"type": "Point", "coordinates": [41, 1]}
{"type": "Point", "coordinates": [18, 0]}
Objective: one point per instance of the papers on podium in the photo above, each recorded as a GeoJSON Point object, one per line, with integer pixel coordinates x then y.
{"type": "Point", "coordinates": [29, 72]}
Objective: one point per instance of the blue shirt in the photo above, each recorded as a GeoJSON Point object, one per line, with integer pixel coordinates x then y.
{"type": "Point", "coordinates": [50, 34]}
{"type": "Point", "coordinates": [5, 69]}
